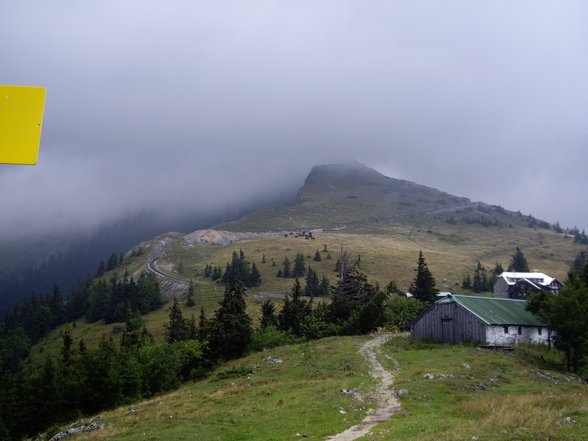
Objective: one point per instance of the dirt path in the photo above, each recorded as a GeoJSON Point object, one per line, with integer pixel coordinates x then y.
{"type": "Point", "coordinates": [387, 403]}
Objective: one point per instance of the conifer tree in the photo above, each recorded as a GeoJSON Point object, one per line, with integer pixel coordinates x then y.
{"type": "Point", "coordinates": [324, 287]}
{"type": "Point", "coordinates": [299, 267]}
{"type": "Point", "coordinates": [518, 263]}
{"type": "Point", "coordinates": [190, 296]}
{"type": "Point", "coordinates": [286, 270]}
{"type": "Point", "coordinates": [317, 256]}
{"type": "Point", "coordinates": [177, 327]}
{"type": "Point", "coordinates": [254, 276]}
{"type": "Point", "coordinates": [423, 287]}
{"type": "Point", "coordinates": [294, 310]}
{"type": "Point", "coordinates": [230, 329]}
{"type": "Point", "coordinates": [202, 326]}
{"type": "Point", "coordinates": [312, 283]}
{"type": "Point", "coordinates": [268, 314]}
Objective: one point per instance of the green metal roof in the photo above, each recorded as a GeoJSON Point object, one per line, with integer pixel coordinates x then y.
{"type": "Point", "coordinates": [496, 311]}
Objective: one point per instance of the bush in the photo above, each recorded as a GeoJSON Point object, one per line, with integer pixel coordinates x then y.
{"type": "Point", "coordinates": [271, 337]}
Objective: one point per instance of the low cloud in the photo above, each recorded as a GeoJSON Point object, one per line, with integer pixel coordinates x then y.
{"type": "Point", "coordinates": [178, 106]}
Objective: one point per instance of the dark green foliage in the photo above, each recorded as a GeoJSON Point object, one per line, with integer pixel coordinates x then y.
{"type": "Point", "coordinates": [498, 269]}
{"type": "Point", "coordinates": [567, 315]}
{"type": "Point", "coordinates": [268, 314]}
{"type": "Point", "coordinates": [238, 270]}
{"type": "Point", "coordinates": [263, 258]}
{"type": "Point", "coordinates": [423, 287]}
{"type": "Point", "coordinates": [357, 306]}
{"type": "Point", "coordinates": [392, 288]}
{"type": "Point", "coordinates": [254, 276]}
{"type": "Point", "coordinates": [229, 332]}
{"type": "Point", "coordinates": [299, 267]}
{"type": "Point", "coordinates": [286, 266]}
{"type": "Point", "coordinates": [312, 287]}
{"type": "Point", "coordinates": [110, 300]}
{"type": "Point", "coordinates": [579, 262]}
{"type": "Point", "coordinates": [112, 262]}
{"type": "Point", "coordinates": [190, 296]}
{"type": "Point", "coordinates": [401, 311]}
{"type": "Point", "coordinates": [101, 269]}
{"type": "Point", "coordinates": [324, 287]}
{"type": "Point", "coordinates": [208, 270]}
{"type": "Point", "coordinates": [467, 282]}
{"type": "Point", "coordinates": [178, 328]}
{"type": "Point", "coordinates": [217, 273]}
{"type": "Point", "coordinates": [317, 256]}
{"type": "Point", "coordinates": [294, 310]}
{"type": "Point", "coordinates": [518, 262]}
{"type": "Point", "coordinates": [270, 337]}
{"type": "Point", "coordinates": [202, 326]}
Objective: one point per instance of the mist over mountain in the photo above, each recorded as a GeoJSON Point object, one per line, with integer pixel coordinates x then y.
{"type": "Point", "coordinates": [36, 263]}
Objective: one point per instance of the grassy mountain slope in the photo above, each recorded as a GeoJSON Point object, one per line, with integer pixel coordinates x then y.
{"type": "Point", "coordinates": [323, 387]}
{"type": "Point", "coordinates": [386, 221]}
{"type": "Point", "coordinates": [341, 194]}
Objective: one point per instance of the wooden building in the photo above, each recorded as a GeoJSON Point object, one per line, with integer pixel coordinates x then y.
{"type": "Point", "coordinates": [486, 320]}
{"type": "Point", "coordinates": [522, 285]}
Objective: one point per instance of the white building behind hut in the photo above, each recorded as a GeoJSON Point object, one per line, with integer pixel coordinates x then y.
{"type": "Point", "coordinates": [522, 285]}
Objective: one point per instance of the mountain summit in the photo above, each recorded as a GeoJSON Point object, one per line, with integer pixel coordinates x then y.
{"type": "Point", "coordinates": [339, 194]}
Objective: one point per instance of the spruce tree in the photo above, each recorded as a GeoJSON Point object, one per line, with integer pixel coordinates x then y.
{"type": "Point", "coordinates": [178, 327]}
{"type": "Point", "coordinates": [268, 314]}
{"type": "Point", "coordinates": [254, 276]}
{"type": "Point", "coordinates": [230, 329]}
{"type": "Point", "coordinates": [294, 310]}
{"type": "Point", "coordinates": [286, 270]}
{"type": "Point", "coordinates": [423, 287]}
{"type": "Point", "coordinates": [518, 263]}
{"type": "Point", "coordinates": [299, 268]}
{"type": "Point", "coordinates": [317, 256]}
{"type": "Point", "coordinates": [190, 296]}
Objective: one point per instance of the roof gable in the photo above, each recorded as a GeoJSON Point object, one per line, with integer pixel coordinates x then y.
{"type": "Point", "coordinates": [496, 311]}
{"type": "Point", "coordinates": [537, 278]}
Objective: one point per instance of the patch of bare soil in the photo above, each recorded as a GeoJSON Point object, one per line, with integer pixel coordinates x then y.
{"type": "Point", "coordinates": [386, 399]}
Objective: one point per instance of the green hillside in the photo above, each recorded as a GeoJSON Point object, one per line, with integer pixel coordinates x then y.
{"type": "Point", "coordinates": [321, 388]}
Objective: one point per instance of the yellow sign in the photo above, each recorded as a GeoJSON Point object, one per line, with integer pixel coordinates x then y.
{"type": "Point", "coordinates": [21, 116]}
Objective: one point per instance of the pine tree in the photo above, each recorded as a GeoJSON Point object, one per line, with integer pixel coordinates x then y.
{"type": "Point", "coordinates": [299, 267]}
{"type": "Point", "coordinates": [202, 326]}
{"type": "Point", "coordinates": [317, 256]}
{"type": "Point", "coordinates": [101, 269]}
{"type": "Point", "coordinates": [518, 263]}
{"type": "Point", "coordinates": [268, 314]}
{"type": "Point", "coordinates": [312, 283]}
{"type": "Point", "coordinates": [286, 270]}
{"type": "Point", "coordinates": [324, 287]}
{"type": "Point", "coordinates": [254, 276]}
{"type": "Point", "coordinates": [498, 269]}
{"type": "Point", "coordinates": [178, 327]}
{"type": "Point", "coordinates": [294, 310]}
{"type": "Point", "coordinates": [423, 287]}
{"type": "Point", "coordinates": [230, 329]}
{"type": "Point", "coordinates": [392, 288]}
{"type": "Point", "coordinates": [190, 296]}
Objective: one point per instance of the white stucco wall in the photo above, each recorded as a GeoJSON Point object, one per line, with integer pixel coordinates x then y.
{"type": "Point", "coordinates": [495, 335]}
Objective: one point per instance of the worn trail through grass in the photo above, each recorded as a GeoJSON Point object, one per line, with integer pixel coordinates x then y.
{"type": "Point", "coordinates": [386, 399]}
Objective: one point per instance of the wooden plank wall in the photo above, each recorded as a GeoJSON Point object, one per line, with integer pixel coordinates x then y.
{"type": "Point", "coordinates": [449, 323]}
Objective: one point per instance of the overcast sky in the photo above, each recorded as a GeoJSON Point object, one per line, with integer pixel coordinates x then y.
{"type": "Point", "coordinates": [174, 105]}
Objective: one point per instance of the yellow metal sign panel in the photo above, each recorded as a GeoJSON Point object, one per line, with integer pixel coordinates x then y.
{"type": "Point", "coordinates": [21, 117]}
